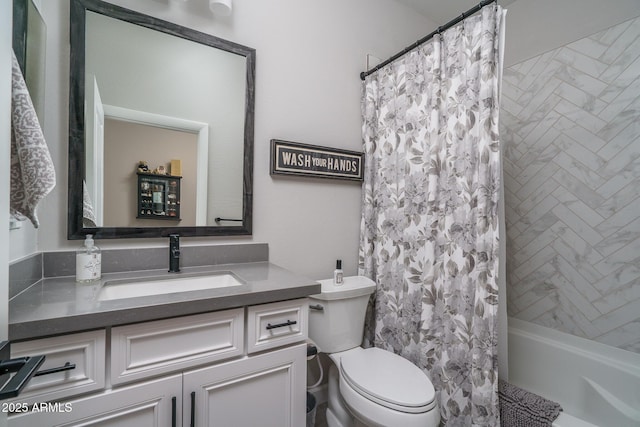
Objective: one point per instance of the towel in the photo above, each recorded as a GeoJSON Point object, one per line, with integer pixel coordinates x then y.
{"type": "Point", "coordinates": [520, 408]}
{"type": "Point", "coordinates": [32, 172]}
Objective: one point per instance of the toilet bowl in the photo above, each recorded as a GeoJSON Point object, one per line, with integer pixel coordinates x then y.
{"type": "Point", "coordinates": [367, 387]}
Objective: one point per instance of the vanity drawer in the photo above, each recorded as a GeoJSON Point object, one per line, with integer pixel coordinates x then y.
{"type": "Point", "coordinates": [160, 347]}
{"type": "Point", "coordinates": [275, 324]}
{"type": "Point", "coordinates": [84, 350]}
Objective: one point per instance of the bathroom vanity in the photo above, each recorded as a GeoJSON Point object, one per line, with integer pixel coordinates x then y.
{"type": "Point", "coordinates": [229, 356]}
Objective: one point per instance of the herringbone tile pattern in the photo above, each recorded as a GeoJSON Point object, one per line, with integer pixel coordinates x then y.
{"type": "Point", "coordinates": [570, 124]}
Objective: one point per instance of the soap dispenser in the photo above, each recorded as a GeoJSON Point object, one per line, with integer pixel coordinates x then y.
{"type": "Point", "coordinates": [88, 261]}
{"type": "Point", "coordinates": [338, 277]}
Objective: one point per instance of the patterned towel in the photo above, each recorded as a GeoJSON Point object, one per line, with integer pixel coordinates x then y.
{"type": "Point", "coordinates": [32, 173]}
{"type": "Point", "coordinates": [520, 408]}
{"type": "Point", "coordinates": [88, 213]}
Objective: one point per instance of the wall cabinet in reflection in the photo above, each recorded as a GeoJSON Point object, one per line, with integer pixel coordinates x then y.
{"type": "Point", "coordinates": [158, 196]}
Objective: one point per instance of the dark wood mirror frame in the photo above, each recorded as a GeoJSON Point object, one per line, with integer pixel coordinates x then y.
{"type": "Point", "coordinates": [75, 229]}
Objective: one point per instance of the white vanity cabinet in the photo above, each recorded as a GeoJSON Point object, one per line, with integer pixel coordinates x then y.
{"type": "Point", "coordinates": [267, 390]}
{"type": "Point", "coordinates": [154, 403]}
{"type": "Point", "coordinates": [191, 371]}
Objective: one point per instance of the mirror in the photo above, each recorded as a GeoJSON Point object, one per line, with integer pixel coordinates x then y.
{"type": "Point", "coordinates": [160, 128]}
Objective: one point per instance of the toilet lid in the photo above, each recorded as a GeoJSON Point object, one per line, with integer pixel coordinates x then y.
{"type": "Point", "coordinates": [388, 379]}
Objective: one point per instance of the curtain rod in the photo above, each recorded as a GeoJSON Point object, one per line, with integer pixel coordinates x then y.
{"type": "Point", "coordinates": [439, 30]}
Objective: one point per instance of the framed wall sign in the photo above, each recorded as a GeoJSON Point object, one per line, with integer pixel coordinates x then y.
{"type": "Point", "coordinates": [293, 158]}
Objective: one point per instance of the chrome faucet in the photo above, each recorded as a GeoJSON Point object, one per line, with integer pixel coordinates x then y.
{"type": "Point", "coordinates": [174, 253]}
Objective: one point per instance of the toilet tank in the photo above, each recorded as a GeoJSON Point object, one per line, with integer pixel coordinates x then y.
{"type": "Point", "coordinates": [336, 315]}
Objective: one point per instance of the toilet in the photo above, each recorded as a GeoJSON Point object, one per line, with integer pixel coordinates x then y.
{"type": "Point", "coordinates": [366, 387]}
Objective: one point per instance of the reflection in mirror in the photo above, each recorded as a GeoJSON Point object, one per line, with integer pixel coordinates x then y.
{"type": "Point", "coordinates": [162, 127]}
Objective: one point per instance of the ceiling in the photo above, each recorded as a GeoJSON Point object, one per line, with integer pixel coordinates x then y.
{"type": "Point", "coordinates": [443, 11]}
{"type": "Point", "coordinates": [535, 27]}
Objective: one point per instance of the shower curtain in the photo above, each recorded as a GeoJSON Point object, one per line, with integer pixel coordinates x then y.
{"type": "Point", "coordinates": [429, 229]}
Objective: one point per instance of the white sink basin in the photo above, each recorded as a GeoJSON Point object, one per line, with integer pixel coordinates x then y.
{"type": "Point", "coordinates": [130, 288]}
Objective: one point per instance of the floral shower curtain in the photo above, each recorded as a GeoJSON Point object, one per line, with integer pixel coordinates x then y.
{"type": "Point", "coordinates": [429, 229]}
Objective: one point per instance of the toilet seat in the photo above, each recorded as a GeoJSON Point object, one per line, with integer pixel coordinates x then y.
{"type": "Point", "coordinates": [388, 380]}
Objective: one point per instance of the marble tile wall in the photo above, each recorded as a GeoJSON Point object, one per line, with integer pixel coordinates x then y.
{"type": "Point", "coordinates": [570, 123]}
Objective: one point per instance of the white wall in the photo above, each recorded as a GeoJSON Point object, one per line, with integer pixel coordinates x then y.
{"type": "Point", "coordinates": [309, 56]}
{"type": "Point", "coordinates": [308, 59]}
{"type": "Point", "coordinates": [535, 27]}
{"type": "Point", "coordinates": [22, 241]}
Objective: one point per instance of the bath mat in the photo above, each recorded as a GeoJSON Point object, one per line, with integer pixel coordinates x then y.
{"type": "Point", "coordinates": [520, 408]}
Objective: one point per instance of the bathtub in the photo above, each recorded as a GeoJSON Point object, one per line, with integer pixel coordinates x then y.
{"type": "Point", "coordinates": [597, 385]}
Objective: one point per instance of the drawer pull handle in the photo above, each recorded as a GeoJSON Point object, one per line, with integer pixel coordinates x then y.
{"type": "Point", "coordinates": [316, 307]}
{"type": "Point", "coordinates": [67, 367]}
{"type": "Point", "coordinates": [173, 412]}
{"type": "Point", "coordinates": [281, 325]}
{"type": "Point", "coordinates": [193, 409]}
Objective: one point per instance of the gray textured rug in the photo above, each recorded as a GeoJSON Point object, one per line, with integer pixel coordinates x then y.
{"type": "Point", "coordinates": [520, 408]}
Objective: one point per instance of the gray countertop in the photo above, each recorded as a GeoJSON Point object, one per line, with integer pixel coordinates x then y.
{"type": "Point", "coordinates": [54, 306]}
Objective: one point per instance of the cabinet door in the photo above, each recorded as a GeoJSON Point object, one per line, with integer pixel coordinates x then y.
{"type": "Point", "coordinates": [267, 390]}
{"type": "Point", "coordinates": [150, 404]}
